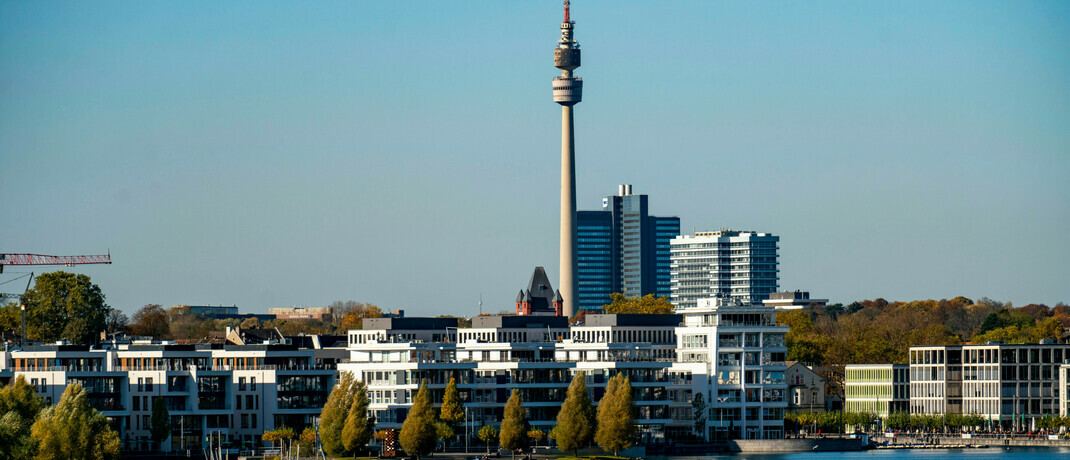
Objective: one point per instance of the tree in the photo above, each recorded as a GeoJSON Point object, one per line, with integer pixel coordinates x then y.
{"type": "Point", "coordinates": [358, 427]}
{"type": "Point", "coordinates": [160, 428]}
{"type": "Point", "coordinates": [616, 426]}
{"type": "Point", "coordinates": [443, 432]}
{"type": "Point", "coordinates": [620, 304]}
{"type": "Point", "coordinates": [575, 421]}
{"type": "Point", "coordinates": [418, 430]}
{"type": "Point", "coordinates": [250, 323]}
{"type": "Point", "coordinates": [1048, 328]}
{"type": "Point", "coordinates": [281, 435]}
{"type": "Point", "coordinates": [698, 411]}
{"type": "Point", "coordinates": [65, 306]}
{"type": "Point", "coordinates": [116, 321]}
{"type": "Point", "coordinates": [73, 430]}
{"type": "Point", "coordinates": [19, 407]}
{"type": "Point", "coordinates": [151, 320]}
{"type": "Point", "coordinates": [307, 441]}
{"type": "Point", "coordinates": [514, 426]}
{"type": "Point", "coordinates": [334, 413]}
{"type": "Point", "coordinates": [451, 411]}
{"type": "Point", "coordinates": [536, 436]}
{"type": "Point", "coordinates": [487, 434]}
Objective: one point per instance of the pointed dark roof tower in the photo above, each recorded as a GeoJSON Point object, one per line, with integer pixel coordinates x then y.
{"type": "Point", "coordinates": [540, 293]}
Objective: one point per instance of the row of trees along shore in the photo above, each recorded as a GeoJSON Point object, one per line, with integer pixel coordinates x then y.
{"type": "Point", "coordinates": [71, 429]}
{"type": "Point", "coordinates": [346, 429]}
{"type": "Point", "coordinates": [835, 421]}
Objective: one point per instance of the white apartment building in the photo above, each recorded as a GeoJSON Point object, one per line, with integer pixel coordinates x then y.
{"type": "Point", "coordinates": [737, 265]}
{"type": "Point", "coordinates": [1013, 385]}
{"type": "Point", "coordinates": [235, 391]}
{"type": "Point", "coordinates": [1064, 390]}
{"type": "Point", "coordinates": [734, 355]}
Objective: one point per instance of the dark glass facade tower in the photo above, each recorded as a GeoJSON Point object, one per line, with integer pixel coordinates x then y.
{"type": "Point", "coordinates": [622, 248]}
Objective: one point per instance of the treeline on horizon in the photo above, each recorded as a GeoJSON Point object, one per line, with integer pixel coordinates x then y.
{"type": "Point", "coordinates": [878, 331]}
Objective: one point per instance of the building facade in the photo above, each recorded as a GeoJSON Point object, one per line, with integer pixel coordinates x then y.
{"type": "Point", "coordinates": [737, 265]}
{"type": "Point", "coordinates": [622, 248]}
{"type": "Point", "coordinates": [734, 356]}
{"type": "Point", "coordinates": [880, 389]}
{"type": "Point", "coordinates": [806, 389]}
{"type": "Point", "coordinates": [230, 392]}
{"type": "Point", "coordinates": [1012, 385]}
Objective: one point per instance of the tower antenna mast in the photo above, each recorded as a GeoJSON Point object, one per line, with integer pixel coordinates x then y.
{"type": "Point", "coordinates": [568, 91]}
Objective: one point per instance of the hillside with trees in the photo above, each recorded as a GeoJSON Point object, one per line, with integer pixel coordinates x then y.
{"type": "Point", "coordinates": [879, 331]}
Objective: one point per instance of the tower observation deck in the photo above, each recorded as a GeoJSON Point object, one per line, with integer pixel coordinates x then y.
{"type": "Point", "coordinates": [568, 91]}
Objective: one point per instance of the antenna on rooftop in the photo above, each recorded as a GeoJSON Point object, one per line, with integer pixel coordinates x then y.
{"type": "Point", "coordinates": [481, 303]}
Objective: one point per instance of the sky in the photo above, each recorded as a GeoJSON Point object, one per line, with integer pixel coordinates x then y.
{"type": "Point", "coordinates": [407, 154]}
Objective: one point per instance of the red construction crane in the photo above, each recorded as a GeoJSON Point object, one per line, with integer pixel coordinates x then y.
{"type": "Point", "coordinates": [39, 259]}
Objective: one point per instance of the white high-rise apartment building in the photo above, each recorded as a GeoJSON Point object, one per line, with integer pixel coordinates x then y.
{"type": "Point", "coordinates": [732, 355]}
{"type": "Point", "coordinates": [738, 265]}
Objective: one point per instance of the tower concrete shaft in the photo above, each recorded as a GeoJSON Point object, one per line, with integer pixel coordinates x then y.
{"type": "Point", "coordinates": [568, 91]}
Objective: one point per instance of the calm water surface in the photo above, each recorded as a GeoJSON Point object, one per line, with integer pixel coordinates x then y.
{"type": "Point", "coordinates": [896, 454]}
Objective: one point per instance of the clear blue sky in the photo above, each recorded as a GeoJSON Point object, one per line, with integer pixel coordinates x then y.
{"type": "Point", "coordinates": [407, 153]}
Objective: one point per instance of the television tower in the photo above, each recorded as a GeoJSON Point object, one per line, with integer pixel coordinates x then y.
{"type": "Point", "coordinates": [568, 90]}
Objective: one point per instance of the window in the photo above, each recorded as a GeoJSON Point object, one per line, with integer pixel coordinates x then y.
{"type": "Point", "coordinates": [237, 402]}
{"type": "Point", "coordinates": [241, 383]}
{"type": "Point", "coordinates": [137, 403]}
{"type": "Point", "coordinates": [148, 384]}
{"type": "Point", "coordinates": [252, 383]}
{"type": "Point", "coordinates": [140, 384]}
{"type": "Point", "coordinates": [249, 402]}
{"type": "Point", "coordinates": [245, 420]}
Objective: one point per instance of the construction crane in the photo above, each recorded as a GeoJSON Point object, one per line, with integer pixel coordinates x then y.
{"type": "Point", "coordinates": [39, 259]}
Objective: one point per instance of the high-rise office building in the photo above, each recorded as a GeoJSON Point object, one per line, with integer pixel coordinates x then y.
{"type": "Point", "coordinates": [736, 265]}
{"type": "Point", "coordinates": [622, 248]}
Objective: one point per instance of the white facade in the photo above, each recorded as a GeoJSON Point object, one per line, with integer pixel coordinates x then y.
{"type": "Point", "coordinates": [237, 391]}
{"type": "Point", "coordinates": [733, 355]}
{"type": "Point", "coordinates": [1010, 384]}
{"type": "Point", "coordinates": [736, 265]}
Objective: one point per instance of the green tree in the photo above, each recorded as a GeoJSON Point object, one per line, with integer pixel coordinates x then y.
{"type": "Point", "coordinates": [73, 430]}
{"type": "Point", "coordinates": [514, 434]}
{"type": "Point", "coordinates": [19, 407]}
{"type": "Point", "coordinates": [451, 411]}
{"type": "Point", "coordinates": [487, 434]}
{"type": "Point", "coordinates": [698, 411]}
{"type": "Point", "coordinates": [151, 320]}
{"type": "Point", "coordinates": [65, 306]}
{"type": "Point", "coordinates": [160, 427]}
{"type": "Point", "coordinates": [418, 430]}
{"type": "Point", "coordinates": [898, 420]}
{"type": "Point", "coordinates": [575, 421]}
{"type": "Point", "coordinates": [616, 427]}
{"type": "Point", "coordinates": [1048, 328]}
{"type": "Point", "coordinates": [443, 432]}
{"type": "Point", "coordinates": [358, 427]}
{"type": "Point", "coordinates": [334, 413]}
{"type": "Point", "coordinates": [621, 304]}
